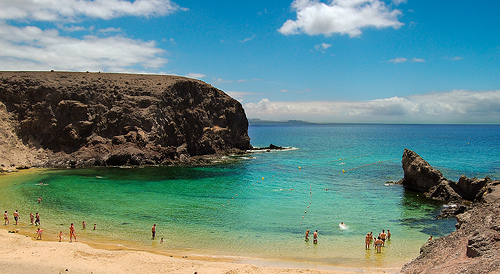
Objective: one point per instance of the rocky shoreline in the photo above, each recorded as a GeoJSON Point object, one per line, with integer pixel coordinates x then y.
{"type": "Point", "coordinates": [73, 119]}
{"type": "Point", "coordinates": [475, 245]}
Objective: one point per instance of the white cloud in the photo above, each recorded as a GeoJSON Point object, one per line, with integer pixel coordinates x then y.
{"type": "Point", "coordinates": [403, 60]}
{"type": "Point", "coordinates": [195, 75]}
{"type": "Point", "coordinates": [398, 60]}
{"type": "Point", "coordinates": [322, 46]}
{"type": "Point", "coordinates": [456, 58]}
{"type": "Point", "coordinates": [248, 39]}
{"type": "Point", "coordinates": [339, 16]}
{"type": "Point", "coordinates": [458, 106]}
{"type": "Point", "coordinates": [70, 10]}
{"type": "Point", "coordinates": [110, 30]}
{"type": "Point", "coordinates": [31, 48]}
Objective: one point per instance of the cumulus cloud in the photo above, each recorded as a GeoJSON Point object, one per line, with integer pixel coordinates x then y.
{"type": "Point", "coordinates": [31, 48]}
{"type": "Point", "coordinates": [56, 10]}
{"type": "Point", "coordinates": [458, 106]}
{"type": "Point", "coordinates": [340, 16]}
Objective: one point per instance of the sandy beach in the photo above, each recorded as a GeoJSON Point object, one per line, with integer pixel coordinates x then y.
{"type": "Point", "coordinates": [24, 254]}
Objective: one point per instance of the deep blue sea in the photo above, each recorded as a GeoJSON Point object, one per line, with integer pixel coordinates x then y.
{"type": "Point", "coordinates": [259, 206]}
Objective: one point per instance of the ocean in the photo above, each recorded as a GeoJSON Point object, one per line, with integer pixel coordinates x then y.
{"type": "Point", "coordinates": [258, 207]}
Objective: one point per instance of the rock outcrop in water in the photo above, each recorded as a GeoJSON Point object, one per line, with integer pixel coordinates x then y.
{"type": "Point", "coordinates": [475, 246]}
{"type": "Point", "coordinates": [86, 119]}
{"type": "Point", "coordinates": [422, 177]}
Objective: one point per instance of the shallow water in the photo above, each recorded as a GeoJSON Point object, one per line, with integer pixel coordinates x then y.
{"type": "Point", "coordinates": [260, 206]}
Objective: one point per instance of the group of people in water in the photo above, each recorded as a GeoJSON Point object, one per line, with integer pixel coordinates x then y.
{"type": "Point", "coordinates": [35, 220]}
{"type": "Point", "coordinates": [379, 240]}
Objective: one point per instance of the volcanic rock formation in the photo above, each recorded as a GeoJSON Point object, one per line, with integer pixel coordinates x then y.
{"type": "Point", "coordinates": [85, 119]}
{"type": "Point", "coordinates": [475, 246]}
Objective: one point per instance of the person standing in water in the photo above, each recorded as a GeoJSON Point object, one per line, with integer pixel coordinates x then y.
{"type": "Point", "coordinates": [72, 233]}
{"type": "Point", "coordinates": [6, 218]}
{"type": "Point", "coordinates": [153, 231]}
{"type": "Point", "coordinates": [315, 237]}
{"type": "Point", "coordinates": [16, 216]}
{"type": "Point", "coordinates": [378, 244]}
{"type": "Point", "coordinates": [368, 240]}
{"type": "Point", "coordinates": [32, 218]}
{"type": "Point", "coordinates": [383, 236]}
{"type": "Point", "coordinates": [307, 235]}
{"type": "Point", "coordinates": [37, 219]}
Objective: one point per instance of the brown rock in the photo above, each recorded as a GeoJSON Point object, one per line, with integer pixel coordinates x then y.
{"type": "Point", "coordinates": [96, 118]}
{"type": "Point", "coordinates": [418, 174]}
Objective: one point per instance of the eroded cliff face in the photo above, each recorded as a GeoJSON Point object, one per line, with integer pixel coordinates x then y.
{"type": "Point", "coordinates": [83, 119]}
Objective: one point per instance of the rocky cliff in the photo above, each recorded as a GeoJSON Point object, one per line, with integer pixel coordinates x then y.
{"type": "Point", "coordinates": [85, 119]}
{"type": "Point", "coordinates": [475, 246]}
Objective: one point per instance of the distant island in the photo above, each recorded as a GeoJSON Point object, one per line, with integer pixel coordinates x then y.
{"type": "Point", "coordinates": [256, 121]}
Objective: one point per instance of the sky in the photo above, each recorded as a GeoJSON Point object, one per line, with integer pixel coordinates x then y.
{"type": "Point", "coordinates": [336, 61]}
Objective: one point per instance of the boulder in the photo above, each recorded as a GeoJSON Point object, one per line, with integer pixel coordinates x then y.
{"type": "Point", "coordinates": [418, 174]}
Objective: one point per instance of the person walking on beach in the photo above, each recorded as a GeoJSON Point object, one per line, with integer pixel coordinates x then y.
{"type": "Point", "coordinates": [307, 235]}
{"type": "Point", "coordinates": [315, 237]}
{"type": "Point", "coordinates": [153, 231]}
{"type": "Point", "coordinates": [37, 219]}
{"type": "Point", "coordinates": [16, 216]}
{"type": "Point", "coordinates": [32, 218]}
{"type": "Point", "coordinates": [72, 233]}
{"type": "Point", "coordinates": [6, 218]}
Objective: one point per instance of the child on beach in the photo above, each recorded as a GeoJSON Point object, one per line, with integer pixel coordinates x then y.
{"type": "Point", "coordinates": [32, 218]}
{"type": "Point", "coordinates": [39, 234]}
{"type": "Point", "coordinates": [60, 235]}
{"type": "Point", "coordinates": [84, 225]}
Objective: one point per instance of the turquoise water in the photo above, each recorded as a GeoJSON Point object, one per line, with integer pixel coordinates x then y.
{"type": "Point", "coordinates": [260, 206]}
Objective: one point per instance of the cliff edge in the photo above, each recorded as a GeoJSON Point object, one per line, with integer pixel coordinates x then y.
{"type": "Point", "coordinates": [57, 119]}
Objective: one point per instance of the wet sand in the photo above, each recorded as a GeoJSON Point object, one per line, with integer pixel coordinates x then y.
{"type": "Point", "coordinates": [23, 254]}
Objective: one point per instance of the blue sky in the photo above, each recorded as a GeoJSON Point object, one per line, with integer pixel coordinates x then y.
{"type": "Point", "coordinates": [393, 61]}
